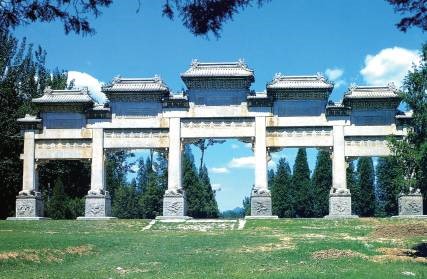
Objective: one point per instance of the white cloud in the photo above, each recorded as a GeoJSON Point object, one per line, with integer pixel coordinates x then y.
{"type": "Point", "coordinates": [389, 65]}
{"type": "Point", "coordinates": [335, 74]}
{"type": "Point", "coordinates": [234, 146]}
{"type": "Point", "coordinates": [85, 80]}
{"type": "Point", "coordinates": [216, 187]}
{"type": "Point", "coordinates": [242, 162]}
{"type": "Point", "coordinates": [219, 170]}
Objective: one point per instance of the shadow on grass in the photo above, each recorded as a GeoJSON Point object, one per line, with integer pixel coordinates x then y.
{"type": "Point", "coordinates": [421, 249]}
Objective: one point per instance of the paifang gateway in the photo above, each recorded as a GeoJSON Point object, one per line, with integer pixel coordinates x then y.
{"type": "Point", "coordinates": [293, 111]}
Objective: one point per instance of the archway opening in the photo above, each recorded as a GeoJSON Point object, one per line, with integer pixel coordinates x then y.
{"type": "Point", "coordinates": [64, 184]}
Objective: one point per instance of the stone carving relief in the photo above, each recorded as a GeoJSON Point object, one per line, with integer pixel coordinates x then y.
{"type": "Point", "coordinates": [366, 141]}
{"type": "Point", "coordinates": [260, 208]}
{"type": "Point", "coordinates": [25, 209]}
{"type": "Point", "coordinates": [63, 144]}
{"type": "Point", "coordinates": [136, 133]}
{"type": "Point", "coordinates": [216, 123]}
{"type": "Point", "coordinates": [95, 210]}
{"type": "Point", "coordinates": [299, 132]}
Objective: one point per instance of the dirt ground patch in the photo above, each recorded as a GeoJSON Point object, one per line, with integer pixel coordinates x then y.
{"type": "Point", "coordinates": [284, 243]}
{"type": "Point", "coordinates": [335, 254]}
{"type": "Point", "coordinates": [400, 230]}
{"type": "Point", "coordinates": [49, 255]}
{"type": "Point", "coordinates": [398, 254]}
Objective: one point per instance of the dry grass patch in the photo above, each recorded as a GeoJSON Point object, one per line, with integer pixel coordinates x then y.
{"type": "Point", "coordinates": [400, 230]}
{"type": "Point", "coordinates": [336, 254]}
{"type": "Point", "coordinates": [284, 243]}
{"type": "Point", "coordinates": [398, 254]}
{"type": "Point", "coordinates": [49, 255]}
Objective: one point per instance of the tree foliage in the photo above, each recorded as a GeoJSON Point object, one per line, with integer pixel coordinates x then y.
{"type": "Point", "coordinates": [389, 181]}
{"type": "Point", "coordinates": [23, 76]}
{"type": "Point", "coordinates": [198, 16]}
{"type": "Point", "coordinates": [366, 179]}
{"type": "Point", "coordinates": [281, 196]}
{"type": "Point", "coordinates": [416, 10]}
{"type": "Point", "coordinates": [300, 186]}
{"type": "Point", "coordinates": [321, 184]}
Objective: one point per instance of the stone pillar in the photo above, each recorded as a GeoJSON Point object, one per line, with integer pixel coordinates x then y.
{"type": "Point", "coordinates": [411, 204]}
{"type": "Point", "coordinates": [29, 203]}
{"type": "Point", "coordinates": [98, 201]}
{"type": "Point", "coordinates": [260, 195]}
{"type": "Point", "coordinates": [174, 200]}
{"type": "Point", "coordinates": [339, 196]}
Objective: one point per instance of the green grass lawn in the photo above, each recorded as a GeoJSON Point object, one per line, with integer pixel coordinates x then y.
{"type": "Point", "coordinates": [288, 248]}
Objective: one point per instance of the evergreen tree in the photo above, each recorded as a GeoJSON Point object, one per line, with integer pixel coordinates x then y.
{"type": "Point", "coordinates": [270, 178]}
{"type": "Point", "coordinates": [192, 186]}
{"type": "Point", "coordinates": [281, 197]}
{"type": "Point", "coordinates": [56, 206]}
{"type": "Point", "coordinates": [23, 76]}
{"type": "Point", "coordinates": [247, 206]}
{"type": "Point", "coordinates": [300, 187]}
{"type": "Point", "coordinates": [365, 181]}
{"type": "Point", "coordinates": [151, 199]}
{"type": "Point", "coordinates": [353, 186]}
{"type": "Point", "coordinates": [321, 184]}
{"type": "Point", "coordinates": [211, 206]}
{"type": "Point", "coordinates": [389, 181]}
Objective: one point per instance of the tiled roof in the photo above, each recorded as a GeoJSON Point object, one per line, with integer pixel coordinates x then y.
{"type": "Point", "coordinates": [219, 69]}
{"type": "Point", "coordinates": [119, 84]}
{"type": "Point", "coordinates": [64, 96]}
{"type": "Point", "coordinates": [299, 82]}
{"type": "Point", "coordinates": [371, 92]}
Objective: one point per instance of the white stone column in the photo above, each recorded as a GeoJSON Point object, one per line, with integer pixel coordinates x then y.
{"type": "Point", "coordinates": [29, 179]}
{"type": "Point", "coordinates": [174, 157]}
{"type": "Point", "coordinates": [260, 155]}
{"type": "Point", "coordinates": [260, 196]}
{"type": "Point", "coordinates": [339, 196]}
{"type": "Point", "coordinates": [97, 184]}
{"type": "Point", "coordinates": [174, 201]}
{"type": "Point", "coordinates": [98, 201]}
{"type": "Point", "coordinates": [339, 165]}
{"type": "Point", "coordinates": [29, 203]}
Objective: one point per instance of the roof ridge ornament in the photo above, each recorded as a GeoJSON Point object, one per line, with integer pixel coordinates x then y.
{"type": "Point", "coordinates": [194, 63]}
{"type": "Point", "coordinates": [352, 86]}
{"type": "Point", "coordinates": [319, 76]}
{"type": "Point", "coordinates": [117, 79]}
{"type": "Point", "coordinates": [157, 78]}
{"type": "Point", "coordinates": [277, 76]}
{"type": "Point", "coordinates": [48, 90]}
{"type": "Point", "coordinates": [392, 86]}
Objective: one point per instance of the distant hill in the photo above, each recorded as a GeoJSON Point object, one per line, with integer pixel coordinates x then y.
{"type": "Point", "coordinates": [237, 212]}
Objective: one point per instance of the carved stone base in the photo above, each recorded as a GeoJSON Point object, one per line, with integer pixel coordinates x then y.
{"type": "Point", "coordinates": [261, 203]}
{"type": "Point", "coordinates": [174, 205]}
{"type": "Point", "coordinates": [97, 207]}
{"type": "Point", "coordinates": [340, 206]}
{"type": "Point", "coordinates": [29, 207]}
{"type": "Point", "coordinates": [410, 204]}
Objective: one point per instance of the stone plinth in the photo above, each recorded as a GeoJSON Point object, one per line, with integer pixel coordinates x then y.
{"type": "Point", "coordinates": [261, 205]}
{"type": "Point", "coordinates": [97, 207]}
{"type": "Point", "coordinates": [411, 205]}
{"type": "Point", "coordinates": [29, 207]}
{"type": "Point", "coordinates": [340, 205]}
{"type": "Point", "coordinates": [174, 205]}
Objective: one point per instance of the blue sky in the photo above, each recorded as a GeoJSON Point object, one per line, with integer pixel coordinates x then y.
{"type": "Point", "coordinates": [350, 41]}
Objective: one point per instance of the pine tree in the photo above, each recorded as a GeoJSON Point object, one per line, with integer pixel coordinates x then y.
{"type": "Point", "coordinates": [321, 184]}
{"type": "Point", "coordinates": [56, 206]}
{"type": "Point", "coordinates": [270, 178]}
{"type": "Point", "coordinates": [366, 178]}
{"type": "Point", "coordinates": [151, 199]}
{"type": "Point", "coordinates": [281, 197]}
{"type": "Point", "coordinates": [353, 186]}
{"type": "Point", "coordinates": [389, 181]}
{"type": "Point", "coordinates": [247, 206]}
{"type": "Point", "coordinates": [302, 199]}
{"type": "Point", "coordinates": [211, 206]}
{"type": "Point", "coordinates": [192, 186]}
